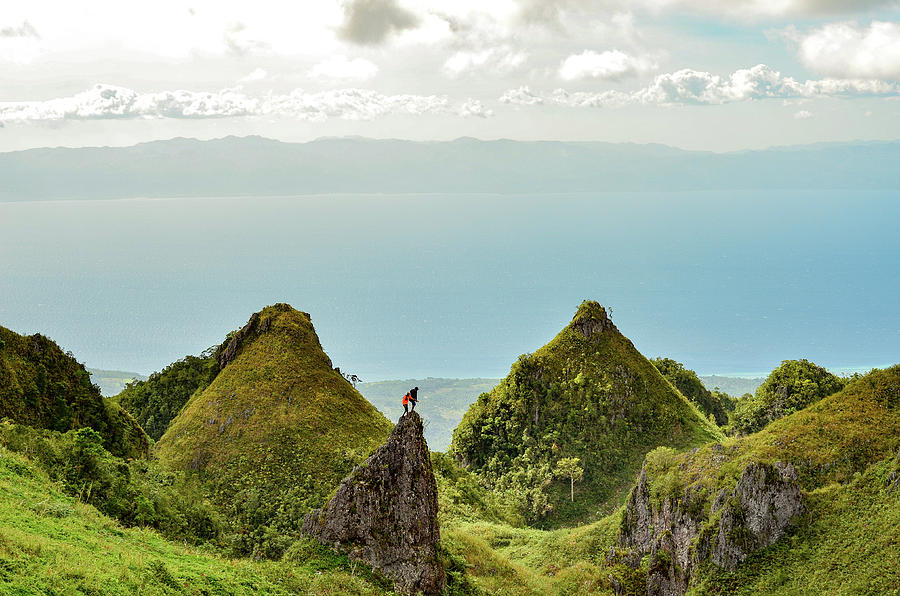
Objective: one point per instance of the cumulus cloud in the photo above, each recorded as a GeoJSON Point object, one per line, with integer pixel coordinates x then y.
{"type": "Point", "coordinates": [689, 86]}
{"type": "Point", "coordinates": [849, 50]}
{"type": "Point", "coordinates": [499, 60]}
{"type": "Point", "coordinates": [112, 102]}
{"type": "Point", "coordinates": [608, 65]}
{"type": "Point", "coordinates": [371, 22]}
{"type": "Point", "coordinates": [522, 96]}
{"type": "Point", "coordinates": [803, 115]}
{"type": "Point", "coordinates": [341, 67]}
{"type": "Point", "coordinates": [473, 107]}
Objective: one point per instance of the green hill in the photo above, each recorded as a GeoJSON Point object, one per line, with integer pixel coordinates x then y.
{"type": "Point", "coordinates": [843, 452]}
{"type": "Point", "coordinates": [275, 431]}
{"type": "Point", "coordinates": [588, 394]}
{"type": "Point", "coordinates": [43, 387]}
{"type": "Point", "coordinates": [442, 402]}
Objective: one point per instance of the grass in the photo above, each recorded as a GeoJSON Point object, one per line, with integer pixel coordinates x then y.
{"type": "Point", "coordinates": [52, 544]}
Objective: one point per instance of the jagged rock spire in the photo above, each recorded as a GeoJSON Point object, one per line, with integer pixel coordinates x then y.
{"type": "Point", "coordinates": [385, 513]}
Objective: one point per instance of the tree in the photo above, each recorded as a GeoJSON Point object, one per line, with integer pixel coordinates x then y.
{"type": "Point", "coordinates": [570, 467]}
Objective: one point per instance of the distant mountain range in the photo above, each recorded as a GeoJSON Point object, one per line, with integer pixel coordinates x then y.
{"type": "Point", "coordinates": [256, 166]}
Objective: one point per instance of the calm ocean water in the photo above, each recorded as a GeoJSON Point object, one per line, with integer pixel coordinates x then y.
{"type": "Point", "coordinates": [442, 285]}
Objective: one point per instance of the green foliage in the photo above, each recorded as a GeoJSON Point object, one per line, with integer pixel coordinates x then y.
{"type": "Point", "coordinates": [156, 401]}
{"type": "Point", "coordinates": [45, 388]}
{"type": "Point", "coordinates": [789, 388]}
{"type": "Point", "coordinates": [137, 493]}
{"type": "Point", "coordinates": [690, 386]}
{"type": "Point", "coordinates": [596, 398]}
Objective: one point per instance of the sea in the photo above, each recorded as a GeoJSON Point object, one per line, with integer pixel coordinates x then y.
{"type": "Point", "coordinates": [411, 286]}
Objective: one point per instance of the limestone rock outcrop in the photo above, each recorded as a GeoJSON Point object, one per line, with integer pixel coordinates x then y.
{"type": "Point", "coordinates": [683, 530]}
{"type": "Point", "coordinates": [385, 512]}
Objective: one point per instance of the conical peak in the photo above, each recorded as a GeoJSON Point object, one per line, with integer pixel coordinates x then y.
{"type": "Point", "coordinates": [259, 323]}
{"type": "Point", "coordinates": [592, 319]}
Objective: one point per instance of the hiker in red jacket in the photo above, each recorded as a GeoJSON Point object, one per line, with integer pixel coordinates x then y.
{"type": "Point", "coordinates": [405, 402]}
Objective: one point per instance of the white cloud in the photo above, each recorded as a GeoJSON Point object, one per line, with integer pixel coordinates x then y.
{"type": "Point", "coordinates": [258, 74]}
{"type": "Point", "coordinates": [608, 65]}
{"type": "Point", "coordinates": [689, 86]}
{"type": "Point", "coordinates": [499, 60]}
{"type": "Point", "coordinates": [522, 96]}
{"type": "Point", "coordinates": [848, 50]}
{"type": "Point", "coordinates": [803, 115]}
{"type": "Point", "coordinates": [473, 107]}
{"type": "Point", "coordinates": [111, 102]}
{"type": "Point", "coordinates": [341, 67]}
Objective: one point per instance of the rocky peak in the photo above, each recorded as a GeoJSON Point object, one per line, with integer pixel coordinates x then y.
{"type": "Point", "coordinates": [592, 319]}
{"type": "Point", "coordinates": [259, 323]}
{"type": "Point", "coordinates": [385, 513]}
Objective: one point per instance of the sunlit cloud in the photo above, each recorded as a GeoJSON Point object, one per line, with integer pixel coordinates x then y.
{"type": "Point", "coordinates": [608, 65]}
{"type": "Point", "coordinates": [111, 102]}
{"type": "Point", "coordinates": [849, 50]}
{"type": "Point", "coordinates": [694, 87]}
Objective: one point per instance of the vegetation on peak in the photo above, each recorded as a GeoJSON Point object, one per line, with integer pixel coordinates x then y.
{"type": "Point", "coordinates": [43, 387]}
{"type": "Point", "coordinates": [274, 432]}
{"type": "Point", "coordinates": [587, 394]}
{"type": "Point", "coordinates": [789, 388]}
{"type": "Point", "coordinates": [689, 384]}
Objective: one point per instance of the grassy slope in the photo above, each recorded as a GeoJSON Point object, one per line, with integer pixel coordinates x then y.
{"type": "Point", "coordinates": [52, 544]}
{"type": "Point", "coordinates": [598, 399]}
{"type": "Point", "coordinates": [848, 543]}
{"type": "Point", "coordinates": [442, 402]}
{"type": "Point", "coordinates": [276, 417]}
{"type": "Point", "coordinates": [44, 387]}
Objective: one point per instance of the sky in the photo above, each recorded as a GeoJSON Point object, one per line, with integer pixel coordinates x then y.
{"type": "Point", "coordinates": [697, 74]}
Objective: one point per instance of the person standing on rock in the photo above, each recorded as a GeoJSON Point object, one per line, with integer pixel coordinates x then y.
{"type": "Point", "coordinates": [414, 397]}
{"type": "Point", "coordinates": [405, 404]}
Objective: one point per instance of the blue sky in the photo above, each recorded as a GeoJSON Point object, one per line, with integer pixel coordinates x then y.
{"type": "Point", "coordinates": [699, 74]}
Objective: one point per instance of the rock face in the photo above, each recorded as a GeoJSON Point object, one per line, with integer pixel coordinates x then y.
{"type": "Point", "coordinates": [681, 531]}
{"type": "Point", "coordinates": [385, 513]}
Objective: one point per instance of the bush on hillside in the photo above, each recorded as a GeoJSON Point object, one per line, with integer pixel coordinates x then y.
{"type": "Point", "coordinates": [791, 387]}
{"type": "Point", "coordinates": [137, 493]}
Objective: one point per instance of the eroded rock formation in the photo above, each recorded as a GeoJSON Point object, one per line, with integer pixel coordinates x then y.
{"type": "Point", "coordinates": [385, 513]}
{"type": "Point", "coordinates": [680, 531]}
